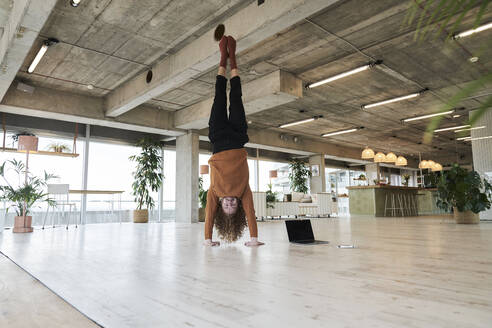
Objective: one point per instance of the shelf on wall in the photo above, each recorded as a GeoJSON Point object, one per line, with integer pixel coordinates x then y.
{"type": "Point", "coordinates": [39, 152]}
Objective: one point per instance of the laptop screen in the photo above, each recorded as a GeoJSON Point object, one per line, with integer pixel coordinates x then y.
{"type": "Point", "coordinates": [299, 230]}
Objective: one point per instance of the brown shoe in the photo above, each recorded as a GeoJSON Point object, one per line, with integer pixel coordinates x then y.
{"type": "Point", "coordinates": [231, 48]}
{"type": "Point", "coordinates": [223, 51]}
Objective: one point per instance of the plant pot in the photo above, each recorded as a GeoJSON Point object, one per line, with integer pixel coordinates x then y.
{"type": "Point", "coordinates": [22, 224]}
{"type": "Point", "coordinates": [141, 216]}
{"type": "Point", "coordinates": [467, 217]}
{"type": "Point", "coordinates": [201, 215]}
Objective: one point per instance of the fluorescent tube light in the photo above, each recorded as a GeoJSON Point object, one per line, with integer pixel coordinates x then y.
{"type": "Point", "coordinates": [342, 75]}
{"type": "Point", "coordinates": [413, 95]}
{"type": "Point", "coordinates": [463, 138]}
{"type": "Point", "coordinates": [338, 132]}
{"type": "Point", "coordinates": [41, 53]}
{"type": "Point", "coordinates": [299, 122]}
{"type": "Point", "coordinates": [452, 128]}
{"type": "Point", "coordinates": [468, 129]}
{"type": "Point", "coordinates": [477, 138]}
{"type": "Point", "coordinates": [38, 57]}
{"type": "Point", "coordinates": [427, 116]}
{"type": "Point", "coordinates": [339, 76]}
{"type": "Point", "coordinates": [473, 31]}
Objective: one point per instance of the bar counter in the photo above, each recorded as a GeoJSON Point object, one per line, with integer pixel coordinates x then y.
{"type": "Point", "coordinates": [370, 200]}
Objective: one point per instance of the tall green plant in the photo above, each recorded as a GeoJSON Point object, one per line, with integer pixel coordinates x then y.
{"type": "Point", "coordinates": [463, 189]}
{"type": "Point", "coordinates": [24, 193]}
{"type": "Point", "coordinates": [445, 17]}
{"type": "Point", "coordinates": [202, 193]}
{"type": "Point", "coordinates": [271, 197]}
{"type": "Point", "coordinates": [147, 176]}
{"type": "Point", "coordinates": [298, 176]}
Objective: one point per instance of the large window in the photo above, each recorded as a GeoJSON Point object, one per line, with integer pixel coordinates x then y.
{"type": "Point", "coordinates": [67, 169]}
{"type": "Point", "coordinates": [203, 160]}
{"type": "Point", "coordinates": [280, 184]}
{"type": "Point", "coordinates": [110, 167]}
{"type": "Point", "coordinates": [110, 170]}
{"type": "Point", "coordinates": [169, 186]}
{"type": "Point", "coordinates": [337, 183]}
{"type": "Point", "coordinates": [252, 176]}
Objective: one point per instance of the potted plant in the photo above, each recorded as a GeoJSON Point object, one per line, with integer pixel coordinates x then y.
{"type": "Point", "coordinates": [23, 196]}
{"type": "Point", "coordinates": [298, 176]}
{"type": "Point", "coordinates": [431, 179]}
{"type": "Point", "coordinates": [15, 137]}
{"type": "Point", "coordinates": [406, 178]}
{"type": "Point", "coordinates": [464, 191]}
{"type": "Point", "coordinates": [59, 148]}
{"type": "Point", "coordinates": [147, 177]}
{"type": "Point", "coordinates": [271, 197]}
{"type": "Point", "coordinates": [202, 198]}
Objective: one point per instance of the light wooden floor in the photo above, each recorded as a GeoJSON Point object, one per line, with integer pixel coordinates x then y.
{"type": "Point", "coordinates": [412, 272]}
{"type": "Point", "coordinates": [25, 302]}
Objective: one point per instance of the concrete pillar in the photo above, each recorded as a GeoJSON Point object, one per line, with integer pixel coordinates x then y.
{"type": "Point", "coordinates": [187, 178]}
{"type": "Point", "coordinates": [372, 172]}
{"type": "Point", "coordinates": [317, 183]}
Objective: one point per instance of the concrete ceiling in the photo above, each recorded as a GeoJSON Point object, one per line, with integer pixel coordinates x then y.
{"type": "Point", "coordinates": [107, 42]}
{"type": "Point", "coordinates": [5, 8]}
{"type": "Point", "coordinates": [374, 33]}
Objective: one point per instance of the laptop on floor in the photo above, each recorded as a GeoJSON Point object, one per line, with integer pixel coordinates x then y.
{"type": "Point", "coordinates": [301, 232]}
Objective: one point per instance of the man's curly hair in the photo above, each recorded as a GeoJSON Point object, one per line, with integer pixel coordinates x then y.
{"type": "Point", "coordinates": [230, 227]}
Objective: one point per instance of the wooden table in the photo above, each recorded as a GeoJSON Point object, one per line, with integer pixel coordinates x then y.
{"type": "Point", "coordinates": [96, 192]}
{"type": "Point", "coordinates": [101, 192]}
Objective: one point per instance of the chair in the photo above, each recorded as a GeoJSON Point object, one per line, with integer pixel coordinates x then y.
{"type": "Point", "coordinates": [412, 204]}
{"type": "Point", "coordinates": [61, 195]}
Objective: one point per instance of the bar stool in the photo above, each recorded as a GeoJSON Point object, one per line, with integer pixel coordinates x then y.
{"type": "Point", "coordinates": [414, 210]}
{"type": "Point", "coordinates": [408, 204]}
{"type": "Point", "coordinates": [396, 204]}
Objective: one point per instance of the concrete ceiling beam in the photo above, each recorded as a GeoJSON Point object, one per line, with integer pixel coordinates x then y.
{"type": "Point", "coordinates": [273, 139]}
{"type": "Point", "coordinates": [63, 106]}
{"type": "Point", "coordinates": [25, 20]}
{"type": "Point", "coordinates": [272, 90]}
{"type": "Point", "coordinates": [249, 26]}
{"type": "Point", "coordinates": [304, 146]}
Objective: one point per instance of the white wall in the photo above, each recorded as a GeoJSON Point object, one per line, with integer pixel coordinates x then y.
{"type": "Point", "coordinates": [482, 152]}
